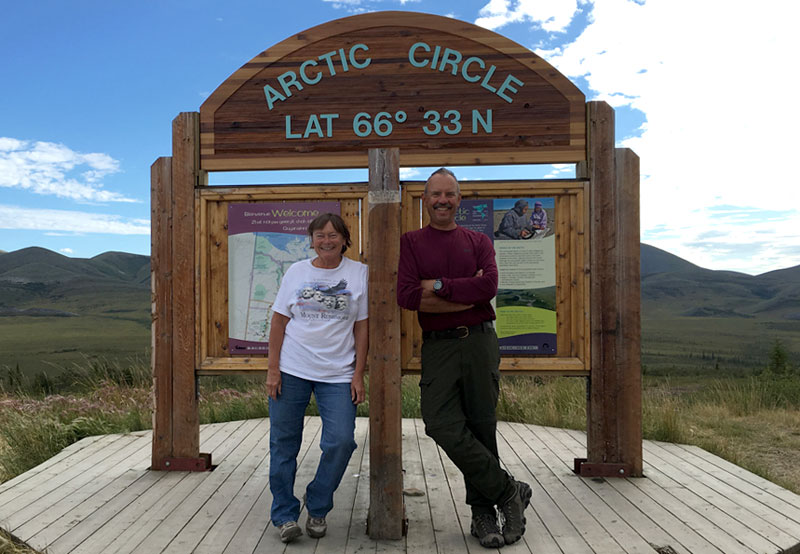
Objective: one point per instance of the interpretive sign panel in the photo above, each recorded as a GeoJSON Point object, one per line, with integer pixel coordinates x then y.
{"type": "Point", "coordinates": [264, 239]}
{"type": "Point", "coordinates": [524, 242]}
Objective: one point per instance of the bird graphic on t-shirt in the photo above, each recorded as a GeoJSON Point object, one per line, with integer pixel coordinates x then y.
{"type": "Point", "coordinates": [341, 285]}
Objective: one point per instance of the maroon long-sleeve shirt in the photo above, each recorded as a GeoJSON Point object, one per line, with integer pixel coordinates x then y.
{"type": "Point", "coordinates": [454, 257]}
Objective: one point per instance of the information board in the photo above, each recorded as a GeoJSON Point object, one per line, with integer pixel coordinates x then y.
{"type": "Point", "coordinates": [264, 239]}
{"type": "Point", "coordinates": [524, 242]}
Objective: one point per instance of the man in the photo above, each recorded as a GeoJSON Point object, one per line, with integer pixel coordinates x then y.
{"type": "Point", "coordinates": [449, 275]}
{"type": "Point", "coordinates": [514, 224]}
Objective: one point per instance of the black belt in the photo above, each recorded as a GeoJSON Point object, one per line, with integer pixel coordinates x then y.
{"type": "Point", "coordinates": [460, 332]}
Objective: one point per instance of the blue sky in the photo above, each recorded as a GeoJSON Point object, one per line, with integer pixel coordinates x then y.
{"type": "Point", "coordinates": [703, 92]}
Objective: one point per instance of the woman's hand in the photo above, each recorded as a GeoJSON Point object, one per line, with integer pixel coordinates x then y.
{"type": "Point", "coordinates": [357, 392]}
{"type": "Point", "coordinates": [273, 383]}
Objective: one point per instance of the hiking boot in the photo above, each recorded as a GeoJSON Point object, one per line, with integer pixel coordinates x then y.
{"type": "Point", "coordinates": [485, 528]}
{"type": "Point", "coordinates": [513, 512]}
{"type": "Point", "coordinates": [316, 527]}
{"type": "Point", "coordinates": [289, 531]}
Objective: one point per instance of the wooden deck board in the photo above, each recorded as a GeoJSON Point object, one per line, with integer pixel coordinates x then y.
{"type": "Point", "coordinates": [98, 496]}
{"type": "Point", "coordinates": [624, 509]}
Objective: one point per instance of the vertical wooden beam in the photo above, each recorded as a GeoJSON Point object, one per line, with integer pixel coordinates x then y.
{"type": "Point", "coordinates": [185, 174]}
{"type": "Point", "coordinates": [601, 428]}
{"type": "Point", "coordinates": [629, 339]}
{"type": "Point", "coordinates": [614, 433]}
{"type": "Point", "coordinates": [161, 312]}
{"type": "Point", "coordinates": [386, 519]}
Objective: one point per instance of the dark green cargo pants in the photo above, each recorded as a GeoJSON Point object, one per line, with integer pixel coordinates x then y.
{"type": "Point", "coordinates": [459, 390]}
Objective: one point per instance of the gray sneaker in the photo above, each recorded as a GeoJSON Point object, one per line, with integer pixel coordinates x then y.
{"type": "Point", "coordinates": [316, 527]}
{"type": "Point", "coordinates": [513, 512]}
{"type": "Point", "coordinates": [484, 527]}
{"type": "Point", "coordinates": [289, 531]}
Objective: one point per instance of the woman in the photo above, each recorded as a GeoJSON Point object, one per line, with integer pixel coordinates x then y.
{"type": "Point", "coordinates": [317, 343]}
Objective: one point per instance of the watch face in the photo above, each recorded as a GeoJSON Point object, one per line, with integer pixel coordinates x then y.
{"type": "Point", "coordinates": [437, 284]}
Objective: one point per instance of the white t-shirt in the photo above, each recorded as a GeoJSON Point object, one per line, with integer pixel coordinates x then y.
{"type": "Point", "coordinates": [323, 305]}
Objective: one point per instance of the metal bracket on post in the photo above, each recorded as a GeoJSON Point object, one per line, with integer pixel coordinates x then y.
{"type": "Point", "coordinates": [586, 469]}
{"type": "Point", "coordinates": [203, 463]}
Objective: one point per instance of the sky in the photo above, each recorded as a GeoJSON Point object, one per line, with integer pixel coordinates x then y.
{"type": "Point", "coordinates": [703, 92]}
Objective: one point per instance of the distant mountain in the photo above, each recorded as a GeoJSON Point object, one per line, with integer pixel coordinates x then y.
{"type": "Point", "coordinates": [54, 308]}
{"type": "Point", "coordinates": [680, 287]}
{"type": "Point", "coordinates": [37, 278]}
{"type": "Point", "coordinates": [41, 265]}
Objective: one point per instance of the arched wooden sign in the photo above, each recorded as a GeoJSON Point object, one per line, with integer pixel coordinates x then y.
{"type": "Point", "coordinates": [443, 91]}
{"type": "Point", "coordinates": [374, 91]}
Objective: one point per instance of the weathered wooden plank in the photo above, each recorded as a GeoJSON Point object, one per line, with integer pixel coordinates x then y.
{"type": "Point", "coordinates": [776, 501]}
{"type": "Point", "coordinates": [357, 538]}
{"type": "Point", "coordinates": [269, 542]}
{"type": "Point", "coordinates": [71, 455]}
{"type": "Point", "coordinates": [383, 251]}
{"type": "Point", "coordinates": [748, 528]}
{"type": "Point", "coordinates": [530, 468]}
{"type": "Point", "coordinates": [185, 171]}
{"type": "Point", "coordinates": [564, 338]}
{"type": "Point", "coordinates": [340, 518]}
{"type": "Point", "coordinates": [444, 517]}
{"type": "Point", "coordinates": [565, 446]}
{"type": "Point", "coordinates": [72, 493]}
{"type": "Point", "coordinates": [670, 514]}
{"type": "Point", "coordinates": [569, 500]}
{"type": "Point", "coordinates": [691, 500]}
{"type": "Point", "coordinates": [161, 311]}
{"type": "Point", "coordinates": [220, 533]}
{"type": "Point", "coordinates": [115, 499]}
{"type": "Point", "coordinates": [253, 452]}
{"type": "Point", "coordinates": [584, 284]}
{"type": "Point", "coordinates": [257, 524]}
{"type": "Point", "coordinates": [458, 492]}
{"type": "Point", "coordinates": [420, 538]}
{"type": "Point", "coordinates": [202, 298]}
{"type": "Point", "coordinates": [130, 525]}
{"type": "Point", "coordinates": [217, 324]}
{"type": "Point", "coordinates": [167, 524]}
{"type": "Point", "coordinates": [38, 499]}
{"type": "Point", "coordinates": [609, 532]}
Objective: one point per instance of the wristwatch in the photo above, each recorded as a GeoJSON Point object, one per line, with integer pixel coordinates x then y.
{"type": "Point", "coordinates": [437, 285]}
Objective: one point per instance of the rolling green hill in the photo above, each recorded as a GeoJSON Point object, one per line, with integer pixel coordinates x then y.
{"type": "Point", "coordinates": [696, 319]}
{"type": "Point", "coordinates": [56, 311]}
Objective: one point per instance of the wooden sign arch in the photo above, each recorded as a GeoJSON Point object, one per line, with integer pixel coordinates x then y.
{"type": "Point", "coordinates": [368, 91]}
{"type": "Point", "coordinates": [450, 92]}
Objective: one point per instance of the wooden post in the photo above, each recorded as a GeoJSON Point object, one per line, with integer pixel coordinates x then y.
{"type": "Point", "coordinates": [386, 518]}
{"type": "Point", "coordinates": [176, 441]}
{"type": "Point", "coordinates": [185, 165]}
{"type": "Point", "coordinates": [629, 339]}
{"type": "Point", "coordinates": [614, 446]}
{"type": "Point", "coordinates": [161, 283]}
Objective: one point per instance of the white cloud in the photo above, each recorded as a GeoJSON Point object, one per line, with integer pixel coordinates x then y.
{"type": "Point", "coordinates": [55, 170]}
{"type": "Point", "coordinates": [67, 251]}
{"type": "Point", "coordinates": [407, 173]}
{"type": "Point", "coordinates": [15, 217]}
{"type": "Point", "coordinates": [715, 83]}
{"type": "Point", "coordinates": [549, 15]}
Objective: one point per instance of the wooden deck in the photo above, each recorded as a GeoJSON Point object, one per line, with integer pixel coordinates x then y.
{"type": "Point", "coordinates": [98, 496]}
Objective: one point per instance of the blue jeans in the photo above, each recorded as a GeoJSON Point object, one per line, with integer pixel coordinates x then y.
{"type": "Point", "coordinates": [286, 415]}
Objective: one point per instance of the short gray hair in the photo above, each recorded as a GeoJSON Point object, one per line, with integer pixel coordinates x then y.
{"type": "Point", "coordinates": [444, 171]}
